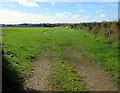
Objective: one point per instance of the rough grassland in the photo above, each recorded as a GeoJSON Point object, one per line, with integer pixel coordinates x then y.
{"type": "Point", "coordinates": [23, 44]}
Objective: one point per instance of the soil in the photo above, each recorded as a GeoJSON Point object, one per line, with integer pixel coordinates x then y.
{"type": "Point", "coordinates": [39, 81]}
{"type": "Point", "coordinates": [94, 75]}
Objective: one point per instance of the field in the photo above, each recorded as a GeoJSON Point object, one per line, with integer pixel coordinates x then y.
{"type": "Point", "coordinates": [66, 48]}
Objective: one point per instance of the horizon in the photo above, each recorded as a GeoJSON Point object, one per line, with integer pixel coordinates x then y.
{"type": "Point", "coordinates": [57, 23]}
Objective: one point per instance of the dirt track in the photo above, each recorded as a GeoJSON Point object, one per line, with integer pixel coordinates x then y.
{"type": "Point", "coordinates": [39, 81]}
{"type": "Point", "coordinates": [95, 77]}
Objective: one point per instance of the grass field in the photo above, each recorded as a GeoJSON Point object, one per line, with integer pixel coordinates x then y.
{"type": "Point", "coordinates": [22, 44]}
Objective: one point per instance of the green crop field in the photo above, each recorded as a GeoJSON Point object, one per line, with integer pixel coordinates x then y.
{"type": "Point", "coordinates": [23, 44]}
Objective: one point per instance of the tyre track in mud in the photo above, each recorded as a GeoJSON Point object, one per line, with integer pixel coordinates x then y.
{"type": "Point", "coordinates": [94, 75]}
{"type": "Point", "coordinates": [39, 81]}
{"type": "Point", "coordinates": [42, 69]}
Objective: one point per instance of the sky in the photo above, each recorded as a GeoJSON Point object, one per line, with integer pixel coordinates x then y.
{"type": "Point", "coordinates": [54, 11]}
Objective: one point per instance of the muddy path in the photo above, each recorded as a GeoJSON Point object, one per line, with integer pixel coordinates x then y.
{"type": "Point", "coordinates": [39, 81]}
{"type": "Point", "coordinates": [95, 77]}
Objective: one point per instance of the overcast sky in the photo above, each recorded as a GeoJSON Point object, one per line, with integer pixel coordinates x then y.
{"type": "Point", "coordinates": [62, 11]}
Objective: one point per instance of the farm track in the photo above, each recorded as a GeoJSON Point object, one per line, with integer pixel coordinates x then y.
{"type": "Point", "coordinates": [45, 33]}
{"type": "Point", "coordinates": [42, 70]}
{"type": "Point", "coordinates": [39, 81]}
{"type": "Point", "coordinates": [94, 75]}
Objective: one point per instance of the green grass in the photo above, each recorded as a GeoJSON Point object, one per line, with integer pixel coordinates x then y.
{"type": "Point", "coordinates": [22, 44]}
{"type": "Point", "coordinates": [97, 47]}
{"type": "Point", "coordinates": [65, 78]}
{"type": "Point", "coordinates": [0, 35]}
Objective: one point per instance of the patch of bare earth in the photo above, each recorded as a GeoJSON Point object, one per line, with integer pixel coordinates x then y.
{"type": "Point", "coordinates": [95, 77]}
{"type": "Point", "coordinates": [39, 81]}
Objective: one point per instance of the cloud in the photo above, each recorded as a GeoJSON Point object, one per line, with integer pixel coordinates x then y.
{"type": "Point", "coordinates": [60, 17]}
{"type": "Point", "coordinates": [64, 17]}
{"type": "Point", "coordinates": [99, 11]}
{"type": "Point", "coordinates": [81, 10]}
{"type": "Point", "coordinates": [11, 17]}
{"type": "Point", "coordinates": [81, 18]}
{"type": "Point", "coordinates": [53, 3]}
{"type": "Point", "coordinates": [103, 15]}
{"type": "Point", "coordinates": [16, 17]}
{"type": "Point", "coordinates": [64, 13]}
{"type": "Point", "coordinates": [27, 3]}
{"type": "Point", "coordinates": [47, 13]}
{"type": "Point", "coordinates": [67, 13]}
{"type": "Point", "coordinates": [75, 17]}
{"type": "Point", "coordinates": [10, 5]}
